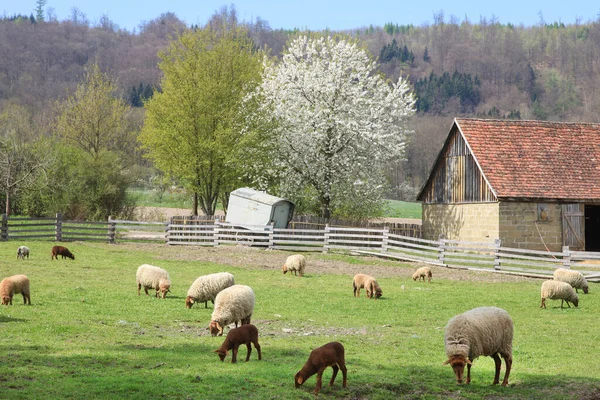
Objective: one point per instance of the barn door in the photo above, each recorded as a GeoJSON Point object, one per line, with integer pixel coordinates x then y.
{"type": "Point", "coordinates": [573, 226]}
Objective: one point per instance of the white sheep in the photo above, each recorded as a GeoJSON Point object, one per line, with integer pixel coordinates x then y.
{"type": "Point", "coordinates": [483, 331]}
{"type": "Point", "coordinates": [556, 290]}
{"type": "Point", "coordinates": [151, 277]}
{"type": "Point", "coordinates": [573, 278]}
{"type": "Point", "coordinates": [232, 305]}
{"type": "Point", "coordinates": [423, 272]}
{"type": "Point", "coordinates": [22, 252]}
{"type": "Point", "coordinates": [295, 264]}
{"type": "Point", "coordinates": [207, 287]}
{"type": "Point", "coordinates": [13, 285]}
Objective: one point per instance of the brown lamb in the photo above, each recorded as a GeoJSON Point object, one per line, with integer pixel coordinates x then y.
{"type": "Point", "coordinates": [245, 334]}
{"type": "Point", "coordinates": [329, 355]}
{"type": "Point", "coordinates": [369, 283]}
{"type": "Point", "coordinates": [13, 285]}
{"type": "Point", "coordinates": [61, 251]}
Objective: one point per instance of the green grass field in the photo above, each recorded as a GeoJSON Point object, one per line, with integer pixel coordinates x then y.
{"type": "Point", "coordinates": [88, 334]}
{"type": "Point", "coordinates": [402, 209]}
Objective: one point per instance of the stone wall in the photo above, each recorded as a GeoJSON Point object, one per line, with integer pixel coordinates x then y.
{"type": "Point", "coordinates": [477, 222]}
{"type": "Point", "coordinates": [521, 226]}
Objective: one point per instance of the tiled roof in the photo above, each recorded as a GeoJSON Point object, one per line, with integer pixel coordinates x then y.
{"type": "Point", "coordinates": [536, 159]}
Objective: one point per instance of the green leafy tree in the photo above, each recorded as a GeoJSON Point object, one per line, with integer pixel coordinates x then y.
{"type": "Point", "coordinates": [191, 131]}
{"type": "Point", "coordinates": [39, 10]}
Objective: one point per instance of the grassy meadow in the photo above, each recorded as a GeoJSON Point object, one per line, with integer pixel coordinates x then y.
{"type": "Point", "coordinates": [88, 334]}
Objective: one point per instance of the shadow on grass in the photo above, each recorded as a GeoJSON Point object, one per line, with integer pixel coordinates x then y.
{"type": "Point", "coordinates": [6, 318]}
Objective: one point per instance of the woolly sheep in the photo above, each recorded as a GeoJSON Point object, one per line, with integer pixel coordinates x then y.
{"type": "Point", "coordinates": [423, 272]}
{"type": "Point", "coordinates": [232, 305]}
{"type": "Point", "coordinates": [556, 290]}
{"type": "Point", "coordinates": [295, 264]}
{"type": "Point", "coordinates": [151, 277]}
{"type": "Point", "coordinates": [483, 331]}
{"type": "Point", "coordinates": [573, 278]}
{"type": "Point", "coordinates": [369, 283]}
{"type": "Point", "coordinates": [207, 287]}
{"type": "Point", "coordinates": [13, 285]}
{"type": "Point", "coordinates": [22, 252]}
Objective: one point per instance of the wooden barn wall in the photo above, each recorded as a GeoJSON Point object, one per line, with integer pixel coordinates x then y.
{"type": "Point", "coordinates": [456, 177]}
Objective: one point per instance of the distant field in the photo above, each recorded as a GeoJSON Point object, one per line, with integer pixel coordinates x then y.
{"type": "Point", "coordinates": [149, 198]}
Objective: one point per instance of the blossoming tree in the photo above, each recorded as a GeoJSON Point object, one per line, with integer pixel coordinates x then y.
{"type": "Point", "coordinates": [339, 121]}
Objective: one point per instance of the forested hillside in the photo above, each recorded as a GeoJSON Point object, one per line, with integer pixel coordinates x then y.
{"type": "Point", "coordinates": [550, 71]}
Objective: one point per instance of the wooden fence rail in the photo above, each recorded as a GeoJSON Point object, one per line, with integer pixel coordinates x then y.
{"type": "Point", "coordinates": [378, 242]}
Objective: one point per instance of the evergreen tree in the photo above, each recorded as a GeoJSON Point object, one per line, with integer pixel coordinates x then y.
{"type": "Point", "coordinates": [426, 56]}
{"type": "Point", "coordinates": [39, 10]}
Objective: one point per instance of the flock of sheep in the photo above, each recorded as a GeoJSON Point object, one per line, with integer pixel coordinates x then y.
{"type": "Point", "coordinates": [482, 331]}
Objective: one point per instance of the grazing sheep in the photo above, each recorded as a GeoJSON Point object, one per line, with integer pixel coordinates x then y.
{"type": "Point", "coordinates": [329, 355]}
{"type": "Point", "coordinates": [232, 305]}
{"type": "Point", "coordinates": [245, 334]}
{"type": "Point", "coordinates": [13, 285]}
{"type": "Point", "coordinates": [61, 251]}
{"type": "Point", "coordinates": [556, 290]}
{"type": "Point", "coordinates": [369, 283]}
{"type": "Point", "coordinates": [151, 277]}
{"type": "Point", "coordinates": [423, 272]}
{"type": "Point", "coordinates": [573, 278]}
{"type": "Point", "coordinates": [295, 264]}
{"type": "Point", "coordinates": [483, 331]}
{"type": "Point", "coordinates": [22, 252]}
{"type": "Point", "coordinates": [207, 287]}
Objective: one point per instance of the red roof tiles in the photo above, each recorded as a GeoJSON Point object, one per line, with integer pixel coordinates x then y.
{"type": "Point", "coordinates": [536, 159]}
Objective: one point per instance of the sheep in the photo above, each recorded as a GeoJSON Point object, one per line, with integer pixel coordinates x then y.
{"type": "Point", "coordinates": [329, 355]}
{"type": "Point", "coordinates": [558, 290]}
{"type": "Point", "coordinates": [422, 273]}
{"type": "Point", "coordinates": [369, 283]}
{"type": "Point", "coordinates": [151, 277]}
{"type": "Point", "coordinates": [232, 305]}
{"type": "Point", "coordinates": [573, 278]}
{"type": "Point", "coordinates": [245, 334]}
{"type": "Point", "coordinates": [22, 252]}
{"type": "Point", "coordinates": [61, 251]}
{"type": "Point", "coordinates": [13, 285]}
{"type": "Point", "coordinates": [296, 264]}
{"type": "Point", "coordinates": [483, 331]}
{"type": "Point", "coordinates": [207, 287]}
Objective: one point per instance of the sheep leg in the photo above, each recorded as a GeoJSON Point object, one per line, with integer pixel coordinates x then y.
{"type": "Point", "coordinates": [342, 365]}
{"type": "Point", "coordinates": [498, 363]}
{"type": "Point", "coordinates": [335, 371]}
{"type": "Point", "coordinates": [234, 353]}
{"type": "Point", "coordinates": [508, 363]}
{"type": "Point", "coordinates": [319, 380]}
{"type": "Point", "coordinates": [356, 291]}
{"type": "Point", "coordinates": [249, 347]}
{"type": "Point", "coordinates": [26, 299]}
{"type": "Point", "coordinates": [257, 347]}
{"type": "Point", "coordinates": [543, 305]}
{"type": "Point", "coordinates": [139, 288]}
{"type": "Point", "coordinates": [468, 374]}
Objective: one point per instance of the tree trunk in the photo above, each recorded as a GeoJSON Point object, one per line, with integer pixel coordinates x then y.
{"type": "Point", "coordinates": [7, 209]}
{"type": "Point", "coordinates": [195, 206]}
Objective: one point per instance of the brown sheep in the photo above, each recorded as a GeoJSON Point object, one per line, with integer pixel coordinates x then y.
{"type": "Point", "coordinates": [369, 283]}
{"type": "Point", "coordinates": [245, 334]}
{"type": "Point", "coordinates": [61, 251]}
{"type": "Point", "coordinates": [13, 285]}
{"type": "Point", "coordinates": [422, 273]}
{"type": "Point", "coordinates": [329, 355]}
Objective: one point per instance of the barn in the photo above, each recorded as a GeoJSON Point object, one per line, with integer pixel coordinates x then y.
{"type": "Point", "coordinates": [531, 184]}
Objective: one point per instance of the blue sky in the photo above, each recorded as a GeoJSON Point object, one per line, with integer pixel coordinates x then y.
{"type": "Point", "coordinates": [318, 15]}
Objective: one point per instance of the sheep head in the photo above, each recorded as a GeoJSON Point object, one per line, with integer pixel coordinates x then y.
{"type": "Point", "coordinates": [6, 300]}
{"type": "Point", "coordinates": [222, 353]}
{"type": "Point", "coordinates": [215, 328]}
{"type": "Point", "coordinates": [189, 302]}
{"type": "Point", "coordinates": [284, 269]}
{"type": "Point", "coordinates": [458, 362]}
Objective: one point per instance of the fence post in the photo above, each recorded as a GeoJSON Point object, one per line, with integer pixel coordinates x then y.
{"type": "Point", "coordinates": [168, 229]}
{"type": "Point", "coordinates": [566, 257]}
{"type": "Point", "coordinates": [386, 237]}
{"type": "Point", "coordinates": [112, 229]}
{"type": "Point", "coordinates": [497, 244]}
{"type": "Point", "coordinates": [441, 250]}
{"type": "Point", "coordinates": [326, 242]}
{"type": "Point", "coordinates": [4, 228]}
{"type": "Point", "coordinates": [271, 236]}
{"type": "Point", "coordinates": [216, 233]}
{"type": "Point", "coordinates": [58, 228]}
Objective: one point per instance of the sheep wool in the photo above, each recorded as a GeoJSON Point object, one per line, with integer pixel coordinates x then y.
{"type": "Point", "coordinates": [207, 287]}
{"type": "Point", "coordinates": [573, 278]}
{"type": "Point", "coordinates": [423, 272]}
{"type": "Point", "coordinates": [13, 285]}
{"type": "Point", "coordinates": [232, 305]}
{"type": "Point", "coordinates": [295, 264]}
{"type": "Point", "coordinates": [151, 277]}
{"type": "Point", "coordinates": [557, 290]}
{"type": "Point", "coordinates": [483, 331]}
{"type": "Point", "coordinates": [22, 252]}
